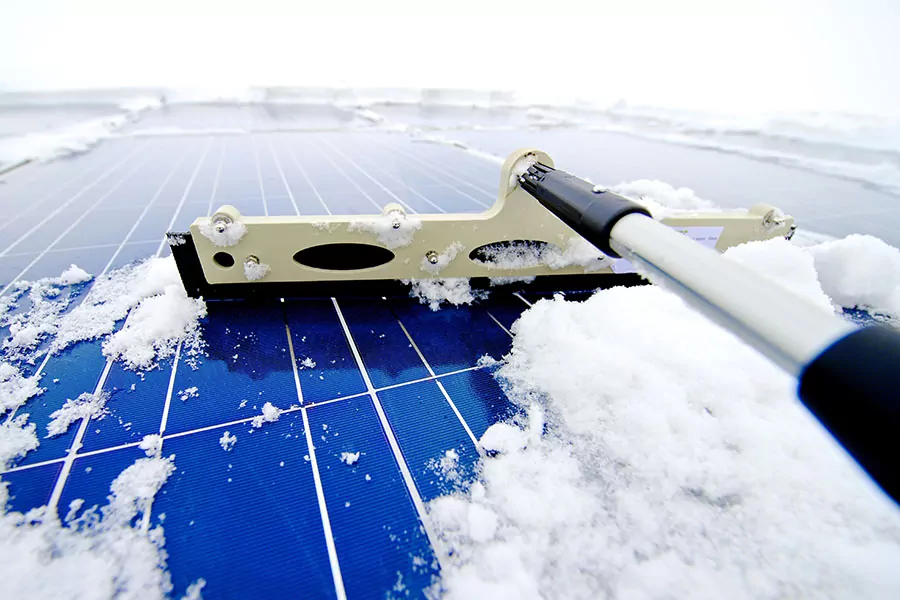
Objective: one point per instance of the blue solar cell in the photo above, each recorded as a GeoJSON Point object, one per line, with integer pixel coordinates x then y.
{"type": "Point", "coordinates": [317, 334]}
{"type": "Point", "coordinates": [78, 370]}
{"type": "Point", "coordinates": [91, 477]}
{"type": "Point", "coordinates": [479, 399]}
{"type": "Point", "coordinates": [242, 521]}
{"type": "Point", "coordinates": [377, 532]}
{"type": "Point", "coordinates": [386, 351]}
{"type": "Point", "coordinates": [31, 488]}
{"type": "Point", "coordinates": [424, 444]}
{"type": "Point", "coordinates": [11, 266]}
{"type": "Point", "coordinates": [134, 411]}
{"type": "Point", "coordinates": [247, 362]}
{"type": "Point", "coordinates": [452, 338]}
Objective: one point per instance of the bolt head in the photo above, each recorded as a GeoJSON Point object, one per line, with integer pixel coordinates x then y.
{"type": "Point", "coordinates": [221, 226]}
{"type": "Point", "coordinates": [396, 224]}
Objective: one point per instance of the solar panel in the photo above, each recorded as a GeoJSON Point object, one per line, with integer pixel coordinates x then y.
{"type": "Point", "coordinates": [287, 511]}
{"type": "Point", "coordinates": [280, 511]}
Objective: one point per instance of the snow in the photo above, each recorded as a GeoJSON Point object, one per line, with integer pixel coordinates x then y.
{"type": "Point", "coordinates": [227, 441]}
{"type": "Point", "coordinates": [788, 265]}
{"type": "Point", "coordinates": [349, 458]}
{"type": "Point", "coordinates": [254, 271]}
{"type": "Point", "coordinates": [85, 406]}
{"type": "Point", "coordinates": [151, 444]}
{"type": "Point", "coordinates": [441, 260]}
{"type": "Point", "coordinates": [163, 315]}
{"type": "Point", "coordinates": [74, 274]}
{"type": "Point", "coordinates": [662, 199]}
{"type": "Point", "coordinates": [860, 271]}
{"type": "Point", "coordinates": [269, 414]}
{"type": "Point", "coordinates": [578, 252]}
{"type": "Point", "coordinates": [662, 457]}
{"type": "Point", "coordinates": [16, 389]}
{"type": "Point", "coordinates": [232, 234]}
{"type": "Point", "coordinates": [307, 363]}
{"type": "Point", "coordinates": [188, 393]}
{"type": "Point", "coordinates": [156, 327]}
{"type": "Point", "coordinates": [60, 142]}
{"type": "Point", "coordinates": [17, 438]}
{"type": "Point", "coordinates": [99, 554]}
{"type": "Point", "coordinates": [434, 292]}
{"type": "Point", "coordinates": [382, 226]}
{"type": "Point", "coordinates": [520, 167]}
{"type": "Point", "coordinates": [194, 591]}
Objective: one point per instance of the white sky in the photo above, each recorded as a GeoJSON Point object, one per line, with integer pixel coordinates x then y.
{"type": "Point", "coordinates": [738, 56]}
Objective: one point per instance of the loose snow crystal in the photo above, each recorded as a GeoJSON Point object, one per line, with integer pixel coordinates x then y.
{"type": "Point", "coordinates": [383, 228]}
{"type": "Point", "coordinates": [308, 363]}
{"type": "Point", "coordinates": [523, 255]}
{"type": "Point", "coordinates": [85, 406]}
{"type": "Point", "coordinates": [349, 458]}
{"type": "Point", "coordinates": [188, 393]}
{"type": "Point", "coordinates": [677, 462]}
{"type": "Point", "coordinates": [269, 414]}
{"type": "Point", "coordinates": [255, 271]}
{"type": "Point", "coordinates": [433, 292]}
{"type": "Point", "coordinates": [227, 441]}
{"type": "Point", "coordinates": [232, 234]}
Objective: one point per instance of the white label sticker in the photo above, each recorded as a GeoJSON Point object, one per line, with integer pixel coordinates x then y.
{"type": "Point", "coordinates": [706, 236]}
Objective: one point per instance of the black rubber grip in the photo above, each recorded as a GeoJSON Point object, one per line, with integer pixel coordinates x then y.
{"type": "Point", "coordinates": [853, 388]}
{"type": "Point", "coordinates": [592, 214]}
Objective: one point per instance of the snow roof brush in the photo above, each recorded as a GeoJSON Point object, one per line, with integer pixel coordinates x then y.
{"type": "Point", "coordinates": [230, 255]}
{"type": "Point", "coordinates": [848, 377]}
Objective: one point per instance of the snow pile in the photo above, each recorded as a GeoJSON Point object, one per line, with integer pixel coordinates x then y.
{"type": "Point", "coordinates": [99, 554]}
{"type": "Point", "coordinates": [788, 265]}
{"type": "Point", "coordinates": [151, 444]}
{"type": "Point", "coordinates": [230, 236]}
{"type": "Point", "coordinates": [860, 271]}
{"type": "Point", "coordinates": [270, 413]}
{"type": "Point", "coordinates": [434, 292]}
{"type": "Point", "coordinates": [85, 406]}
{"type": "Point", "coordinates": [227, 441]}
{"type": "Point", "coordinates": [164, 315]}
{"type": "Point", "coordinates": [254, 271]}
{"type": "Point", "coordinates": [654, 477]}
{"type": "Point", "coordinates": [662, 199]}
{"type": "Point", "coordinates": [391, 230]}
{"type": "Point", "coordinates": [156, 327]}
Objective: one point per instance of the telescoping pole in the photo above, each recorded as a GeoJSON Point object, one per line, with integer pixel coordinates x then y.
{"type": "Point", "coordinates": [849, 377]}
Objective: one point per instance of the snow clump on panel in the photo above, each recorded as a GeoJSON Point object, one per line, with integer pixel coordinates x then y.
{"type": "Point", "coordinates": [85, 406]}
{"type": "Point", "coordinates": [654, 473]}
{"type": "Point", "coordinates": [269, 414]}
